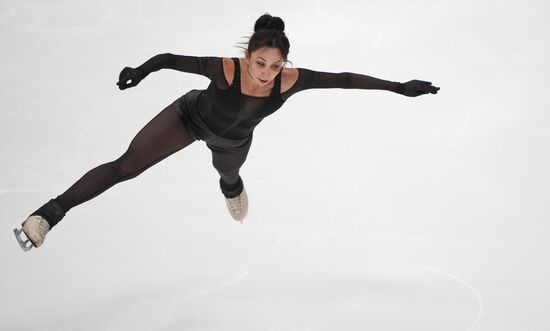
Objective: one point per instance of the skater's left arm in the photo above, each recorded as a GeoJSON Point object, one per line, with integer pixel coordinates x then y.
{"type": "Point", "coordinates": [309, 79]}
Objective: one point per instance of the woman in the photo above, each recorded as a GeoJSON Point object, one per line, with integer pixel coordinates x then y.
{"type": "Point", "coordinates": [242, 92]}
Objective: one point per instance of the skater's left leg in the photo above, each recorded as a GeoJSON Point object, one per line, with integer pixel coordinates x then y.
{"type": "Point", "coordinates": [228, 164]}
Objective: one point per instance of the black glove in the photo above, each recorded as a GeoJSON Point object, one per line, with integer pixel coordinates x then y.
{"type": "Point", "coordinates": [415, 88]}
{"type": "Point", "coordinates": [134, 75]}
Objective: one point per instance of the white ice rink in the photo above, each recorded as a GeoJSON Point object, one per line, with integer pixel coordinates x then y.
{"type": "Point", "coordinates": [368, 210]}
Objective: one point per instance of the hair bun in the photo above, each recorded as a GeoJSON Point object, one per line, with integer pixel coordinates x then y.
{"type": "Point", "coordinates": [268, 22]}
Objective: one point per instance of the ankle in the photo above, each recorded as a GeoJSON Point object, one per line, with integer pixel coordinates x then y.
{"type": "Point", "coordinates": [51, 211]}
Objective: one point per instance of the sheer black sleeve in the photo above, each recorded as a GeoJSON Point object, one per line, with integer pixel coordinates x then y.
{"type": "Point", "coordinates": [208, 66]}
{"type": "Point", "coordinates": [310, 79]}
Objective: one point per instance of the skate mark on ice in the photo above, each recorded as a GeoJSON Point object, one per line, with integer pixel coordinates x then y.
{"type": "Point", "coordinates": [463, 282]}
{"type": "Point", "coordinates": [152, 302]}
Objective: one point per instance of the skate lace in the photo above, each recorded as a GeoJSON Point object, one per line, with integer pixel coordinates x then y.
{"type": "Point", "coordinates": [235, 203]}
{"type": "Point", "coordinates": [42, 227]}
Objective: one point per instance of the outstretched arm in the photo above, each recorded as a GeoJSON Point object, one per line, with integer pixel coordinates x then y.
{"type": "Point", "coordinates": [210, 67]}
{"type": "Point", "coordinates": [309, 79]}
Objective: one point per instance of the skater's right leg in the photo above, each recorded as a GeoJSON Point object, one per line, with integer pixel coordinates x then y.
{"type": "Point", "coordinates": [164, 135]}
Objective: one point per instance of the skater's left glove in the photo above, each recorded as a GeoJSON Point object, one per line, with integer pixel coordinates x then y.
{"type": "Point", "coordinates": [416, 87]}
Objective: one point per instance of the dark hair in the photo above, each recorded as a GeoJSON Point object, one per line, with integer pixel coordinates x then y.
{"type": "Point", "coordinates": [268, 31]}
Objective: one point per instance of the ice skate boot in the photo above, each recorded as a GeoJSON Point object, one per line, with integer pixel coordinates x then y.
{"type": "Point", "coordinates": [35, 228]}
{"type": "Point", "coordinates": [38, 224]}
{"type": "Point", "coordinates": [238, 206]}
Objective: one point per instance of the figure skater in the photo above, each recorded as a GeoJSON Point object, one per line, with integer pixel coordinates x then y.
{"type": "Point", "coordinates": [241, 93]}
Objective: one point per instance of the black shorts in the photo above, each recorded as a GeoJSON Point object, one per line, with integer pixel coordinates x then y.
{"type": "Point", "coordinates": [187, 110]}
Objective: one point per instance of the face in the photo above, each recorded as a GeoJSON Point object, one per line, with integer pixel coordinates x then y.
{"type": "Point", "coordinates": [265, 64]}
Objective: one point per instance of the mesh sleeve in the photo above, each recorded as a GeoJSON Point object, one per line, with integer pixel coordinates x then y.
{"type": "Point", "coordinates": [208, 66]}
{"type": "Point", "coordinates": [310, 79]}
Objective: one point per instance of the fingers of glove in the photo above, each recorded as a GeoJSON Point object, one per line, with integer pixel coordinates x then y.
{"type": "Point", "coordinates": [124, 74]}
{"type": "Point", "coordinates": [123, 81]}
{"type": "Point", "coordinates": [415, 87]}
{"type": "Point", "coordinates": [423, 84]}
{"type": "Point", "coordinates": [130, 74]}
{"type": "Point", "coordinates": [122, 85]}
{"type": "Point", "coordinates": [427, 87]}
{"type": "Point", "coordinates": [434, 89]}
{"type": "Point", "coordinates": [125, 85]}
{"type": "Point", "coordinates": [128, 80]}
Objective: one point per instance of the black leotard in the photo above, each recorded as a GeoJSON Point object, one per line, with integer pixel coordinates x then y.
{"type": "Point", "coordinates": [233, 115]}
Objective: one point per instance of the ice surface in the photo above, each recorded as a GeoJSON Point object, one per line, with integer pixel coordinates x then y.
{"type": "Point", "coordinates": [368, 210]}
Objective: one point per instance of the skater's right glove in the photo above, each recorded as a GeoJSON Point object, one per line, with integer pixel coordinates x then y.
{"type": "Point", "coordinates": [130, 77]}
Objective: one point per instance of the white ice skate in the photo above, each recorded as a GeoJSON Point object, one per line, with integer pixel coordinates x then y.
{"type": "Point", "coordinates": [238, 206]}
{"type": "Point", "coordinates": [35, 229]}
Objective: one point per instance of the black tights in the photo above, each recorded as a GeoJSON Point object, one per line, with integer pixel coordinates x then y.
{"type": "Point", "coordinates": [164, 135]}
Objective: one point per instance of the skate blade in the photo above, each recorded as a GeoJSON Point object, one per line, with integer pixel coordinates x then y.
{"type": "Point", "coordinates": [26, 245]}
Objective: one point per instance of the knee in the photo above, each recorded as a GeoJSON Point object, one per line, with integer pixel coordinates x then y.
{"type": "Point", "coordinates": [127, 165]}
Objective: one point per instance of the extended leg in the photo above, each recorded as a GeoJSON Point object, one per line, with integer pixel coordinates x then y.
{"type": "Point", "coordinates": [164, 135]}
{"type": "Point", "coordinates": [161, 137]}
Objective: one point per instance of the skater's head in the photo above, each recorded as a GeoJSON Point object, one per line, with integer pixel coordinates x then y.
{"type": "Point", "coordinates": [267, 49]}
{"type": "Point", "coordinates": [269, 31]}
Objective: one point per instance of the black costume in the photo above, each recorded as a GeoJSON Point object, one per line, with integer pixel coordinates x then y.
{"type": "Point", "coordinates": [221, 116]}
{"type": "Point", "coordinates": [230, 114]}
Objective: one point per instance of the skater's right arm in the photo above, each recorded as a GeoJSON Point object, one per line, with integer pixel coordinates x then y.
{"type": "Point", "coordinates": [210, 67]}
